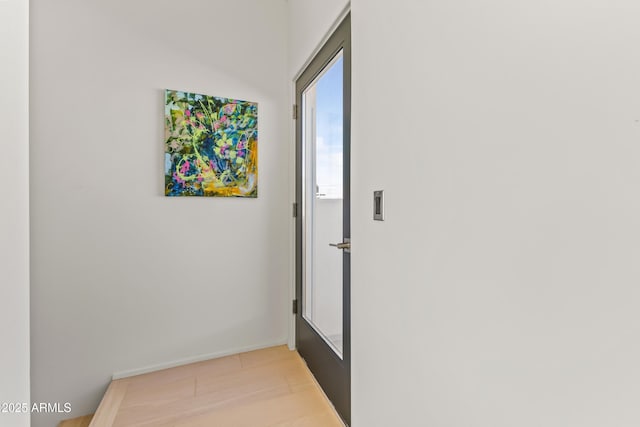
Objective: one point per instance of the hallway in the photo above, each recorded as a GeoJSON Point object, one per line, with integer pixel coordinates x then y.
{"type": "Point", "coordinates": [268, 387]}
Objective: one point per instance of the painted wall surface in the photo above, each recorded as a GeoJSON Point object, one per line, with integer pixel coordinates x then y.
{"type": "Point", "coordinates": [327, 276]}
{"type": "Point", "coordinates": [124, 278]}
{"type": "Point", "coordinates": [14, 214]}
{"type": "Point", "coordinates": [309, 22]}
{"type": "Point", "coordinates": [505, 135]}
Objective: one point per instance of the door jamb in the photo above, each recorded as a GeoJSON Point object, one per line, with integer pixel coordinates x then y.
{"type": "Point", "coordinates": [291, 340]}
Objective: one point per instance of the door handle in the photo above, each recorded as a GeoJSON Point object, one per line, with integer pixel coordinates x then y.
{"type": "Point", "coordinates": [346, 245]}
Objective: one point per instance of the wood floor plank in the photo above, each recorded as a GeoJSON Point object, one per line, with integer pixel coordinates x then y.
{"type": "Point", "coordinates": [108, 409]}
{"type": "Point", "coordinates": [264, 412]}
{"type": "Point", "coordinates": [139, 416]}
{"type": "Point", "coordinates": [220, 366]}
{"type": "Point", "coordinates": [77, 422]}
{"type": "Point", "coordinates": [267, 355]}
{"type": "Point", "coordinates": [264, 388]}
{"type": "Point", "coordinates": [323, 419]}
{"type": "Point", "coordinates": [251, 379]}
{"type": "Point", "coordinates": [160, 394]}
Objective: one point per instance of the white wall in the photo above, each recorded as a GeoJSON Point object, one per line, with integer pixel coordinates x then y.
{"type": "Point", "coordinates": [327, 274]}
{"type": "Point", "coordinates": [309, 22]}
{"type": "Point", "coordinates": [124, 278]}
{"type": "Point", "coordinates": [505, 135]}
{"type": "Point", "coordinates": [14, 214]}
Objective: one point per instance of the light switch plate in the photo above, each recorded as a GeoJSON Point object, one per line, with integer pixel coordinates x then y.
{"type": "Point", "coordinates": [378, 205]}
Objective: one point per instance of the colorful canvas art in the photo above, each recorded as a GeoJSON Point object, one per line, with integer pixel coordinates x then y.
{"type": "Point", "coordinates": [211, 146]}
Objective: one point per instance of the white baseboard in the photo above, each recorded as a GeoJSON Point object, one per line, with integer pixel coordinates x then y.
{"type": "Point", "coordinates": [194, 359]}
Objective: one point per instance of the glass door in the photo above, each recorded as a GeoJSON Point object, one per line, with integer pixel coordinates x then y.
{"type": "Point", "coordinates": [323, 226]}
{"type": "Point", "coordinates": [323, 203]}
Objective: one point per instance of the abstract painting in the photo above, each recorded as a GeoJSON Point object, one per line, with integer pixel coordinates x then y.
{"type": "Point", "coordinates": [211, 146]}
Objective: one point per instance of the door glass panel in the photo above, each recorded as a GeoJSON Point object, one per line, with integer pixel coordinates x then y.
{"type": "Point", "coordinates": [323, 207]}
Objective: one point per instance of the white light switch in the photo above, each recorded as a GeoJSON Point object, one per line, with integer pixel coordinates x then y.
{"type": "Point", "coordinates": [378, 205]}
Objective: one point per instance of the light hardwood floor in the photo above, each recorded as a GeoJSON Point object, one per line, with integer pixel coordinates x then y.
{"type": "Point", "coordinates": [77, 422]}
{"type": "Point", "coordinates": [264, 388]}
